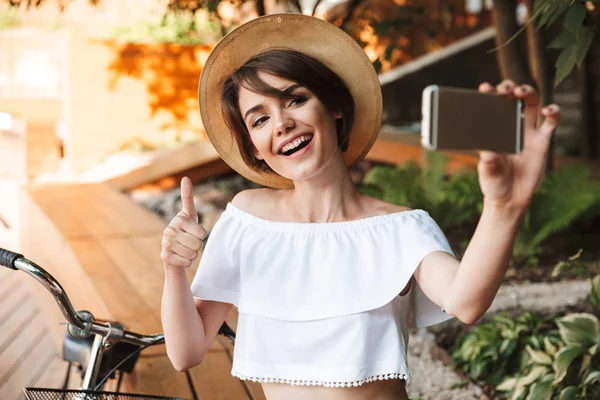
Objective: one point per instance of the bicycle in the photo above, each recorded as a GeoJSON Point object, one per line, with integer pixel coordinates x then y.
{"type": "Point", "coordinates": [99, 348]}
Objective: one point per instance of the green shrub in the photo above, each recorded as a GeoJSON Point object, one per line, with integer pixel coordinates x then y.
{"type": "Point", "coordinates": [568, 371]}
{"type": "Point", "coordinates": [564, 196]}
{"type": "Point", "coordinates": [451, 201]}
{"type": "Point", "coordinates": [493, 350]}
{"type": "Point", "coordinates": [174, 27]}
{"type": "Point", "coordinates": [534, 358]}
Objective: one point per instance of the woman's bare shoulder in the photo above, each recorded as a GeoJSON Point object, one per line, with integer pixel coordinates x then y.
{"type": "Point", "coordinates": [380, 207]}
{"type": "Point", "coordinates": [257, 202]}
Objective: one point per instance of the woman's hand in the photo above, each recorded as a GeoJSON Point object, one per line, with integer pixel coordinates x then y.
{"type": "Point", "coordinates": [508, 181]}
{"type": "Point", "coordinates": [182, 239]}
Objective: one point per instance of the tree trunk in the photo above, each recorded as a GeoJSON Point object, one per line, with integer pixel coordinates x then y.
{"type": "Point", "coordinates": [590, 103]}
{"type": "Point", "coordinates": [260, 8]}
{"type": "Point", "coordinates": [539, 65]}
{"type": "Point", "coordinates": [510, 58]}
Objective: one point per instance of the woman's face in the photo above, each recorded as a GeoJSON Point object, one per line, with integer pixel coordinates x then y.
{"type": "Point", "coordinates": [295, 137]}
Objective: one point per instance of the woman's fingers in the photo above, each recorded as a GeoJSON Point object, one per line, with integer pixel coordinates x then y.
{"type": "Point", "coordinates": [532, 102]}
{"type": "Point", "coordinates": [182, 241]}
{"type": "Point", "coordinates": [552, 117]}
{"type": "Point", "coordinates": [187, 224]}
{"type": "Point", "coordinates": [485, 87]}
{"type": "Point", "coordinates": [506, 87]}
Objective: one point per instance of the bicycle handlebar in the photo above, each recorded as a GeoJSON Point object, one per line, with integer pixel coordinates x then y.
{"type": "Point", "coordinates": [8, 258]}
{"type": "Point", "coordinates": [16, 261]}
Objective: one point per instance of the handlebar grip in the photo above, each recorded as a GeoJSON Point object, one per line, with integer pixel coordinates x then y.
{"type": "Point", "coordinates": [8, 258]}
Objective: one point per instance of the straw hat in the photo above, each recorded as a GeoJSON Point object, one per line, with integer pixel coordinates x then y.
{"type": "Point", "coordinates": [310, 36]}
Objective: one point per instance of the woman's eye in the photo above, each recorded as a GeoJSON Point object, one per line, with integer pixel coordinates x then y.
{"type": "Point", "coordinates": [259, 121]}
{"type": "Point", "coordinates": [298, 101]}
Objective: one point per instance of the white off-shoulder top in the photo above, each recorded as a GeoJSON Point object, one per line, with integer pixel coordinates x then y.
{"type": "Point", "coordinates": [319, 303]}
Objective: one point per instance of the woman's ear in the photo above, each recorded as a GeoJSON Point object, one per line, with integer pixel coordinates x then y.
{"type": "Point", "coordinates": [337, 114]}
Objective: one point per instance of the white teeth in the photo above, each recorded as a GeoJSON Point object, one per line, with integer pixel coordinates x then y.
{"type": "Point", "coordinates": [295, 143]}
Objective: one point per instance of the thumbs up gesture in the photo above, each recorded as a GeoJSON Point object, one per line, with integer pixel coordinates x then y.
{"type": "Point", "coordinates": [182, 239]}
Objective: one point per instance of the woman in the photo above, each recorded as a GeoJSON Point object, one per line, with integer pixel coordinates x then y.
{"type": "Point", "coordinates": [327, 280]}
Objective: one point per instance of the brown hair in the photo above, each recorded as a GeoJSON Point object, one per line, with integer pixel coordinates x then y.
{"type": "Point", "coordinates": [327, 86]}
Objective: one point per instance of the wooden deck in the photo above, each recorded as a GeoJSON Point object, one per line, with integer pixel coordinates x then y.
{"type": "Point", "coordinates": [105, 251]}
{"type": "Point", "coordinates": [28, 355]}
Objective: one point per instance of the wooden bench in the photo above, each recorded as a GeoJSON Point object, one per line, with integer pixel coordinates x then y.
{"type": "Point", "coordinates": [105, 251]}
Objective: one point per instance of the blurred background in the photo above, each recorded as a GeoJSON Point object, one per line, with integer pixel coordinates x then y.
{"type": "Point", "coordinates": [99, 121]}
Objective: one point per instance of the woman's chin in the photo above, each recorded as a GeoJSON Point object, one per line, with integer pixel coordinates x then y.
{"type": "Point", "coordinates": [298, 175]}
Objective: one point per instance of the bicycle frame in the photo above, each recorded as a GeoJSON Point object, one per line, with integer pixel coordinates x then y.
{"type": "Point", "coordinates": [82, 324]}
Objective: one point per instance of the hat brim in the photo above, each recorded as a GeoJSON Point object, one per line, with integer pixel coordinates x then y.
{"type": "Point", "coordinates": [313, 37]}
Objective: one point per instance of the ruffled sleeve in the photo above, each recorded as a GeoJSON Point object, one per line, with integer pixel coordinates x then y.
{"type": "Point", "coordinates": [218, 275]}
{"type": "Point", "coordinates": [425, 237]}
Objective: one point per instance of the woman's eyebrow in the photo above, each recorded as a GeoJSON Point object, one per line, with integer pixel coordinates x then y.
{"type": "Point", "coordinates": [253, 109]}
{"type": "Point", "coordinates": [291, 88]}
{"type": "Point", "coordinates": [258, 107]}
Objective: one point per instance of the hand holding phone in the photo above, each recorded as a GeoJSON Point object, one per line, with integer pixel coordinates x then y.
{"type": "Point", "coordinates": [507, 181]}
{"type": "Point", "coordinates": [463, 119]}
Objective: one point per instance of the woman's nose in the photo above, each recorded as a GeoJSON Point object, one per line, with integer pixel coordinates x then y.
{"type": "Point", "coordinates": [283, 124]}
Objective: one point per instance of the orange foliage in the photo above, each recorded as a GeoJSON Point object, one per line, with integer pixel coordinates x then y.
{"type": "Point", "coordinates": [440, 23]}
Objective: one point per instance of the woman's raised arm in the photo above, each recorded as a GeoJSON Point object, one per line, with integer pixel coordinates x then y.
{"type": "Point", "coordinates": [508, 182]}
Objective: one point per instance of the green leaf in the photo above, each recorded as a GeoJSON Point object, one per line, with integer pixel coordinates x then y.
{"type": "Point", "coordinates": [585, 38]}
{"type": "Point", "coordinates": [551, 211]}
{"type": "Point", "coordinates": [563, 40]}
{"type": "Point", "coordinates": [574, 18]}
{"type": "Point", "coordinates": [579, 329]}
{"type": "Point", "coordinates": [547, 9]}
{"type": "Point", "coordinates": [539, 357]}
{"type": "Point", "coordinates": [593, 377]}
{"type": "Point", "coordinates": [382, 27]}
{"type": "Point", "coordinates": [459, 385]}
{"type": "Point", "coordinates": [561, 7]}
{"type": "Point", "coordinates": [564, 64]}
{"type": "Point", "coordinates": [540, 391]}
{"type": "Point", "coordinates": [388, 52]}
{"type": "Point", "coordinates": [377, 65]}
{"type": "Point", "coordinates": [532, 376]}
{"type": "Point", "coordinates": [519, 393]}
{"type": "Point", "coordinates": [585, 364]}
{"type": "Point", "coordinates": [550, 348]}
{"type": "Point", "coordinates": [568, 393]}
{"type": "Point", "coordinates": [564, 358]}
{"type": "Point", "coordinates": [576, 255]}
{"type": "Point", "coordinates": [507, 385]}
{"type": "Point", "coordinates": [595, 291]}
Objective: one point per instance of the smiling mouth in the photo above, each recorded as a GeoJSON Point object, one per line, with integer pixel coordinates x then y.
{"type": "Point", "coordinates": [299, 147]}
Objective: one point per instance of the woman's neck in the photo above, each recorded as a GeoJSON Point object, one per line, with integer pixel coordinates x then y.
{"type": "Point", "coordinates": [329, 196]}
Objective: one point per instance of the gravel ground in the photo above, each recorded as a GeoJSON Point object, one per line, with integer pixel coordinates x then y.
{"type": "Point", "coordinates": [431, 379]}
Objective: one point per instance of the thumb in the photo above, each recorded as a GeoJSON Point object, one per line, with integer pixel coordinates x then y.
{"type": "Point", "coordinates": [187, 199]}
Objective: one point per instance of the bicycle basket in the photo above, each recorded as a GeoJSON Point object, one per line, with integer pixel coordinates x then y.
{"type": "Point", "coordinates": [59, 394]}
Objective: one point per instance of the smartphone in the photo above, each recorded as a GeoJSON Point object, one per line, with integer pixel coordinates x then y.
{"type": "Point", "coordinates": [464, 119]}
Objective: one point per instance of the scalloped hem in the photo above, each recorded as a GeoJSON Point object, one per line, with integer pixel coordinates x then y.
{"type": "Point", "coordinates": [299, 382]}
